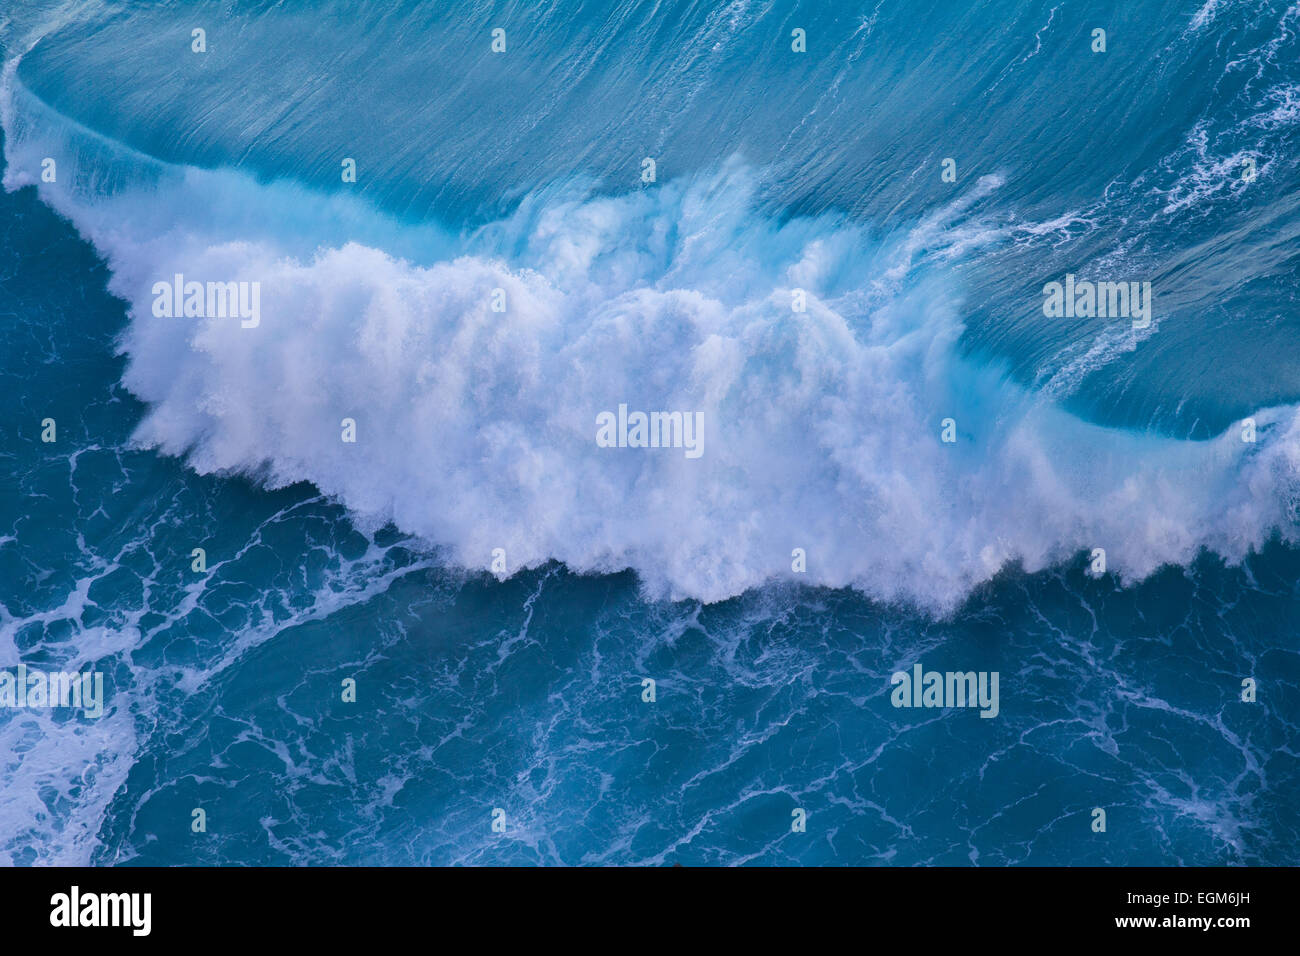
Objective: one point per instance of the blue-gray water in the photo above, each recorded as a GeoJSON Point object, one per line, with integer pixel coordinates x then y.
{"type": "Point", "coordinates": [776, 170]}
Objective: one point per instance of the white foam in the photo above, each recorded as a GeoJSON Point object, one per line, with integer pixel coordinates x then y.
{"type": "Point", "coordinates": [60, 776]}
{"type": "Point", "coordinates": [476, 430]}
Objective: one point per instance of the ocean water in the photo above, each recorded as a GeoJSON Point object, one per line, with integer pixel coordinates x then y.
{"type": "Point", "coordinates": [515, 694]}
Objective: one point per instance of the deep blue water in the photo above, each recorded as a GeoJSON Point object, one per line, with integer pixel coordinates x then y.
{"type": "Point", "coordinates": [821, 171]}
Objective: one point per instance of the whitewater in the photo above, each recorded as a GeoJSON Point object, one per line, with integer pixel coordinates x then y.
{"type": "Point", "coordinates": [498, 582]}
{"type": "Point", "coordinates": [477, 427]}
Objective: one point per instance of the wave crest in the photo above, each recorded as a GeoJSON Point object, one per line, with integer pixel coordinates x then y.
{"type": "Point", "coordinates": [476, 429]}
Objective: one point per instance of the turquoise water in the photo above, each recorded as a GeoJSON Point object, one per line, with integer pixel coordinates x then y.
{"type": "Point", "coordinates": [523, 691]}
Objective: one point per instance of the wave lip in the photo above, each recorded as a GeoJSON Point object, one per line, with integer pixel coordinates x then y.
{"type": "Point", "coordinates": [476, 429]}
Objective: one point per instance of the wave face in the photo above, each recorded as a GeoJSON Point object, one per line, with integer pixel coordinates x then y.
{"type": "Point", "coordinates": [477, 428]}
{"type": "Point", "coordinates": [780, 177]}
{"type": "Point", "coordinates": [1123, 164]}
